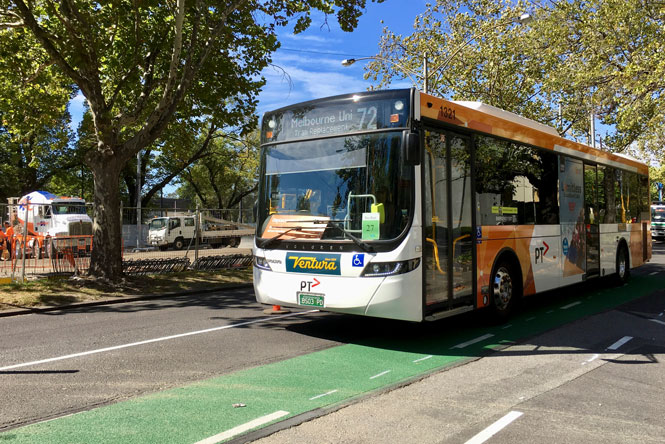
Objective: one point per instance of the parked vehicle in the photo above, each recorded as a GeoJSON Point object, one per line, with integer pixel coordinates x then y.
{"type": "Point", "coordinates": [53, 222]}
{"type": "Point", "coordinates": [178, 231]}
{"type": "Point", "coordinates": [658, 220]}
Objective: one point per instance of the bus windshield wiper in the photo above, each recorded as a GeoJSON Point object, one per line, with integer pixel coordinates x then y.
{"type": "Point", "coordinates": [267, 242]}
{"type": "Point", "coordinates": [338, 224]}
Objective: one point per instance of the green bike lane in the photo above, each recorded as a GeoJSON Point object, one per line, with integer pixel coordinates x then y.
{"type": "Point", "coordinates": [224, 407]}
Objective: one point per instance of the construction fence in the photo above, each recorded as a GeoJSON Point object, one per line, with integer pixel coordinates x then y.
{"type": "Point", "coordinates": [45, 239]}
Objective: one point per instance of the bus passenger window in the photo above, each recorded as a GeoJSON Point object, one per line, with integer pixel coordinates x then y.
{"type": "Point", "coordinates": [515, 184]}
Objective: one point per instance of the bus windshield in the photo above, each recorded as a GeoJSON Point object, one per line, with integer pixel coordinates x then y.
{"type": "Point", "coordinates": [326, 189]}
{"type": "Point", "coordinates": [658, 213]}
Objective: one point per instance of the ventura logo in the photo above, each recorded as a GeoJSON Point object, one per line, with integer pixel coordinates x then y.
{"type": "Point", "coordinates": [313, 263]}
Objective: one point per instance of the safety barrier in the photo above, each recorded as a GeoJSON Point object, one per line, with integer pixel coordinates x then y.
{"type": "Point", "coordinates": [139, 267]}
{"type": "Point", "coordinates": [221, 262]}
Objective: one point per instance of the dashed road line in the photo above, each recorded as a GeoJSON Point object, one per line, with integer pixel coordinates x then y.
{"type": "Point", "coordinates": [566, 307]}
{"type": "Point", "coordinates": [322, 395]}
{"type": "Point", "coordinates": [619, 343]}
{"type": "Point", "coordinates": [495, 428]}
{"type": "Point", "coordinates": [423, 359]}
{"type": "Point", "coordinates": [591, 359]}
{"type": "Point", "coordinates": [380, 374]}
{"type": "Point", "coordinates": [244, 427]}
{"type": "Point", "coordinates": [507, 326]}
{"type": "Point", "coordinates": [653, 272]}
{"type": "Point", "coordinates": [531, 318]}
{"type": "Point", "coordinates": [150, 341]}
{"type": "Point", "coordinates": [657, 321]}
{"type": "Point", "coordinates": [473, 341]}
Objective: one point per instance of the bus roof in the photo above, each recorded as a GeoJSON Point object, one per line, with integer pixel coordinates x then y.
{"type": "Point", "coordinates": [491, 120]}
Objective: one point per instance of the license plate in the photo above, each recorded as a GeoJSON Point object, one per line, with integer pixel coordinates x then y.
{"type": "Point", "coordinates": [311, 299]}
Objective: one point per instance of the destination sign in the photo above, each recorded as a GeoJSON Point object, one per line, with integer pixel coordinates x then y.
{"type": "Point", "coordinates": [338, 115]}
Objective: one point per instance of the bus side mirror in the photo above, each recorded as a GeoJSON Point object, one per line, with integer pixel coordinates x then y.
{"type": "Point", "coordinates": [411, 148]}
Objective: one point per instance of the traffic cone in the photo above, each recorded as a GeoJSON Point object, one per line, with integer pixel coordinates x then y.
{"type": "Point", "coordinates": [276, 309]}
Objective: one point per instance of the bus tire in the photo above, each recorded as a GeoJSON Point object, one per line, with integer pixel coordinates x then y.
{"type": "Point", "coordinates": [506, 288]}
{"type": "Point", "coordinates": [179, 243]}
{"type": "Point", "coordinates": [622, 274]}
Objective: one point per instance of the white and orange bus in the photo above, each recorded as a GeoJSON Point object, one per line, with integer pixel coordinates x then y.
{"type": "Point", "coordinates": [401, 205]}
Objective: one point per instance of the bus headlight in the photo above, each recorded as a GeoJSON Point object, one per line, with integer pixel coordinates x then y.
{"type": "Point", "coordinates": [262, 263]}
{"type": "Point", "coordinates": [379, 269]}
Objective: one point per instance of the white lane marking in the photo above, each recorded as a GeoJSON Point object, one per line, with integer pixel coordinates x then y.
{"type": "Point", "coordinates": [591, 359]}
{"type": "Point", "coordinates": [652, 273]}
{"type": "Point", "coordinates": [507, 326]}
{"type": "Point", "coordinates": [380, 374]}
{"type": "Point", "coordinates": [243, 427]}
{"type": "Point", "coordinates": [657, 321]}
{"type": "Point", "coordinates": [566, 307]}
{"type": "Point", "coordinates": [423, 359]}
{"type": "Point", "coordinates": [549, 311]}
{"type": "Point", "coordinates": [473, 341]}
{"type": "Point", "coordinates": [661, 314]}
{"type": "Point", "coordinates": [619, 343]}
{"type": "Point", "coordinates": [149, 341]}
{"type": "Point", "coordinates": [495, 428]}
{"type": "Point", "coordinates": [531, 318]}
{"type": "Point", "coordinates": [322, 395]}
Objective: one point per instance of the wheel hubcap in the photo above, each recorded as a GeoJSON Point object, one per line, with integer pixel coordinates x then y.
{"type": "Point", "coordinates": [622, 265]}
{"type": "Point", "coordinates": [503, 288]}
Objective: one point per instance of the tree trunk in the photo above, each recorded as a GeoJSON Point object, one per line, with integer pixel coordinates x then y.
{"type": "Point", "coordinates": [106, 258]}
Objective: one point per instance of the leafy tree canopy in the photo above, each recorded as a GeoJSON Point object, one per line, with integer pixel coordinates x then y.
{"type": "Point", "coordinates": [603, 56]}
{"type": "Point", "coordinates": [140, 63]}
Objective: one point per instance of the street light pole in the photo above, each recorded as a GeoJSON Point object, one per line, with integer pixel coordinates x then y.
{"type": "Point", "coordinates": [425, 74]}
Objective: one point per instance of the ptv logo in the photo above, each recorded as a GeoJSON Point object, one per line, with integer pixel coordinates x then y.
{"type": "Point", "coordinates": [540, 252]}
{"type": "Point", "coordinates": [308, 285]}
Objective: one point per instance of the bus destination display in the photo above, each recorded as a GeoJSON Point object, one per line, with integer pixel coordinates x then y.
{"type": "Point", "coordinates": [340, 116]}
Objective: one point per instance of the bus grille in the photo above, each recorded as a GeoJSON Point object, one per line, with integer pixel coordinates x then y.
{"type": "Point", "coordinates": [80, 228]}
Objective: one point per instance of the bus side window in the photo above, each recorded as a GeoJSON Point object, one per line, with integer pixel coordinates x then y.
{"type": "Point", "coordinates": [515, 184]}
{"type": "Point", "coordinates": [606, 196]}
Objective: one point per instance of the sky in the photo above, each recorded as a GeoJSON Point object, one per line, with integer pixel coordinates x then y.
{"type": "Point", "coordinates": [313, 59]}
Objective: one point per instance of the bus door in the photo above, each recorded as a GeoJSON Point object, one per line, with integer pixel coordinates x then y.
{"type": "Point", "coordinates": [448, 244]}
{"type": "Point", "coordinates": [591, 220]}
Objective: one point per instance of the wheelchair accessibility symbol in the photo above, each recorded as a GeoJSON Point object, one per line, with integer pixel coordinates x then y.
{"type": "Point", "coordinates": [358, 260]}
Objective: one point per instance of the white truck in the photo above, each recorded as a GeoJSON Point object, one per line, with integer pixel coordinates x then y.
{"type": "Point", "coordinates": [178, 231]}
{"type": "Point", "coordinates": [53, 222]}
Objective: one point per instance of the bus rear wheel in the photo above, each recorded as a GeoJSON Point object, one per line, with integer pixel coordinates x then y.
{"type": "Point", "coordinates": [623, 265]}
{"type": "Point", "coordinates": [505, 289]}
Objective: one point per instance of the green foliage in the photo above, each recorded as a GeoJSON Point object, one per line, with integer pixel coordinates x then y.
{"type": "Point", "coordinates": [656, 174]}
{"type": "Point", "coordinates": [34, 133]}
{"type": "Point", "coordinates": [603, 56]}
{"type": "Point", "coordinates": [226, 175]}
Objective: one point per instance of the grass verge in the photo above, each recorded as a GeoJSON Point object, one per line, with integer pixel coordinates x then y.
{"type": "Point", "coordinates": [63, 291]}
